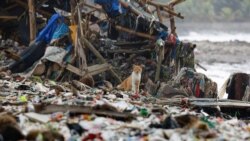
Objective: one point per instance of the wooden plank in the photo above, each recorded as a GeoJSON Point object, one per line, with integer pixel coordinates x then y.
{"type": "Point", "coordinates": [220, 104]}
{"type": "Point", "coordinates": [144, 35]}
{"type": "Point", "coordinates": [97, 69]}
{"type": "Point", "coordinates": [92, 70]}
{"type": "Point", "coordinates": [42, 118]}
{"type": "Point", "coordinates": [129, 51]}
{"type": "Point", "coordinates": [32, 19]}
{"type": "Point", "coordinates": [159, 14]}
{"type": "Point", "coordinates": [9, 17]}
{"type": "Point", "coordinates": [48, 109]}
{"type": "Point", "coordinates": [75, 70]}
{"type": "Point", "coordinates": [100, 57]}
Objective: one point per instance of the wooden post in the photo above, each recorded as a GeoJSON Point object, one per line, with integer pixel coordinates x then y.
{"type": "Point", "coordinates": [73, 16]}
{"type": "Point", "coordinates": [159, 14]}
{"type": "Point", "coordinates": [32, 19]}
{"type": "Point", "coordinates": [79, 20]}
{"type": "Point", "coordinates": [159, 62]}
{"type": "Point", "coordinates": [172, 23]}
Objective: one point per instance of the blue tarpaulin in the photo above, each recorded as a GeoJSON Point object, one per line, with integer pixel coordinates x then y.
{"type": "Point", "coordinates": [111, 7]}
{"type": "Point", "coordinates": [61, 30]}
{"type": "Point", "coordinates": [47, 33]}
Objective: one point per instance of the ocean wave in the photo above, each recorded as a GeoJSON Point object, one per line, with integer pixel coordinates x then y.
{"type": "Point", "coordinates": [215, 36]}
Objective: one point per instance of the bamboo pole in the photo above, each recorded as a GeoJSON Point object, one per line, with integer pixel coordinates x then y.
{"type": "Point", "coordinates": [32, 19]}
{"type": "Point", "coordinates": [73, 16]}
{"type": "Point", "coordinates": [159, 14]}
{"type": "Point", "coordinates": [79, 20]}
{"type": "Point", "coordinates": [175, 2]}
{"type": "Point", "coordinates": [166, 8]}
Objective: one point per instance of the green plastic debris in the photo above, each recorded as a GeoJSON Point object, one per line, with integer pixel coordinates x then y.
{"type": "Point", "coordinates": [23, 98]}
{"type": "Point", "coordinates": [144, 112]}
{"type": "Point", "coordinates": [209, 123]}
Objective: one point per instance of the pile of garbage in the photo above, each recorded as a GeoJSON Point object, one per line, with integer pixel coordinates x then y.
{"type": "Point", "coordinates": [47, 110]}
{"type": "Point", "coordinates": [63, 86]}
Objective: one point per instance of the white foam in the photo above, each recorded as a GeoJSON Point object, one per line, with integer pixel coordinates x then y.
{"type": "Point", "coordinates": [215, 36]}
{"type": "Point", "coordinates": [219, 72]}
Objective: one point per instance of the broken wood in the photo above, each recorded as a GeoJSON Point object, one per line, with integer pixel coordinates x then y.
{"type": "Point", "coordinates": [175, 2]}
{"type": "Point", "coordinates": [92, 70]}
{"type": "Point", "coordinates": [99, 56]}
{"type": "Point", "coordinates": [48, 109]}
{"type": "Point", "coordinates": [173, 13]}
{"type": "Point", "coordinates": [220, 104]}
{"type": "Point", "coordinates": [129, 51]}
{"type": "Point", "coordinates": [38, 117]}
{"type": "Point", "coordinates": [32, 19]}
{"type": "Point", "coordinates": [166, 8]}
{"type": "Point", "coordinates": [159, 14]}
{"type": "Point", "coordinates": [144, 35]}
{"type": "Point", "coordinates": [79, 20]}
{"type": "Point", "coordinates": [9, 17]}
{"type": "Point", "coordinates": [172, 24]}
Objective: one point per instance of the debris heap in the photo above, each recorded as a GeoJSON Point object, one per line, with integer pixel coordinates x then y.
{"type": "Point", "coordinates": [63, 85]}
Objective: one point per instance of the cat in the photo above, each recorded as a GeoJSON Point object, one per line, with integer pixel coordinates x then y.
{"type": "Point", "coordinates": [132, 83]}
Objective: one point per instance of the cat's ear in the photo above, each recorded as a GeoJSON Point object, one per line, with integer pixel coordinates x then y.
{"type": "Point", "coordinates": [133, 66]}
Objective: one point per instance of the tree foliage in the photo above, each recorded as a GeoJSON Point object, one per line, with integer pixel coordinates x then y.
{"type": "Point", "coordinates": [215, 10]}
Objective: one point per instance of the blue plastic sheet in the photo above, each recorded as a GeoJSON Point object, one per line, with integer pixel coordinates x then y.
{"type": "Point", "coordinates": [61, 30]}
{"type": "Point", "coordinates": [111, 7]}
{"type": "Point", "coordinates": [47, 33]}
